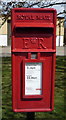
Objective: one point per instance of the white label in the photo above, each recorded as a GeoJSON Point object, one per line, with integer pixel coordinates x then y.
{"type": "Point", "coordinates": [33, 78]}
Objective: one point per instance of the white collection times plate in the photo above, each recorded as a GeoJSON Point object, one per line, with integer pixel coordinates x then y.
{"type": "Point", "coordinates": [33, 78]}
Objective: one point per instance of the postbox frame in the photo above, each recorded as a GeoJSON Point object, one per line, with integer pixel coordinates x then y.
{"type": "Point", "coordinates": [14, 51]}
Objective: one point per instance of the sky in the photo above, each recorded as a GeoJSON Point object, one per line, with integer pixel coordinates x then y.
{"type": "Point", "coordinates": [59, 8]}
{"type": "Point", "coordinates": [35, 0]}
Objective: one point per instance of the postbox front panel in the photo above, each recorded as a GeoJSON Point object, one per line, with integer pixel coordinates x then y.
{"type": "Point", "coordinates": [33, 59]}
{"type": "Point", "coordinates": [33, 38]}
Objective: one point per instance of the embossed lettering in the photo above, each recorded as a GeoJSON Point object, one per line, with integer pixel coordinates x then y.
{"type": "Point", "coordinates": [25, 17]}
{"type": "Point", "coordinates": [33, 40]}
{"type": "Point", "coordinates": [36, 43]}
{"type": "Point", "coordinates": [41, 43]}
{"type": "Point", "coordinates": [26, 43]}
{"type": "Point", "coordinates": [31, 17]}
{"type": "Point", "coordinates": [43, 17]}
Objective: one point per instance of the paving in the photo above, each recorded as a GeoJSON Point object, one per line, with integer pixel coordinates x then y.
{"type": "Point", "coordinates": [6, 51]}
{"type": "Point", "coordinates": [61, 51]}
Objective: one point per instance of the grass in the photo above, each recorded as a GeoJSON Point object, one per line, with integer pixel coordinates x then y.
{"type": "Point", "coordinates": [59, 110]}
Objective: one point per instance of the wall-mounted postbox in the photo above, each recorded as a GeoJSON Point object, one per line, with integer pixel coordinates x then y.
{"type": "Point", "coordinates": [33, 59]}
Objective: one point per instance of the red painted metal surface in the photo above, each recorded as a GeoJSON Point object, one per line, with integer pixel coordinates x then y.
{"type": "Point", "coordinates": [33, 32]}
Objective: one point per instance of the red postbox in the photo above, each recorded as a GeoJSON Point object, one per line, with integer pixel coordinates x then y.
{"type": "Point", "coordinates": [33, 59]}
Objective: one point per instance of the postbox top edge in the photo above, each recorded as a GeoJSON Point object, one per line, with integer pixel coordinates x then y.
{"type": "Point", "coordinates": [33, 9]}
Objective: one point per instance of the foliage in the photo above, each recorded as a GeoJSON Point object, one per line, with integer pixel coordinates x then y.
{"type": "Point", "coordinates": [59, 110]}
{"type": "Point", "coordinates": [5, 7]}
